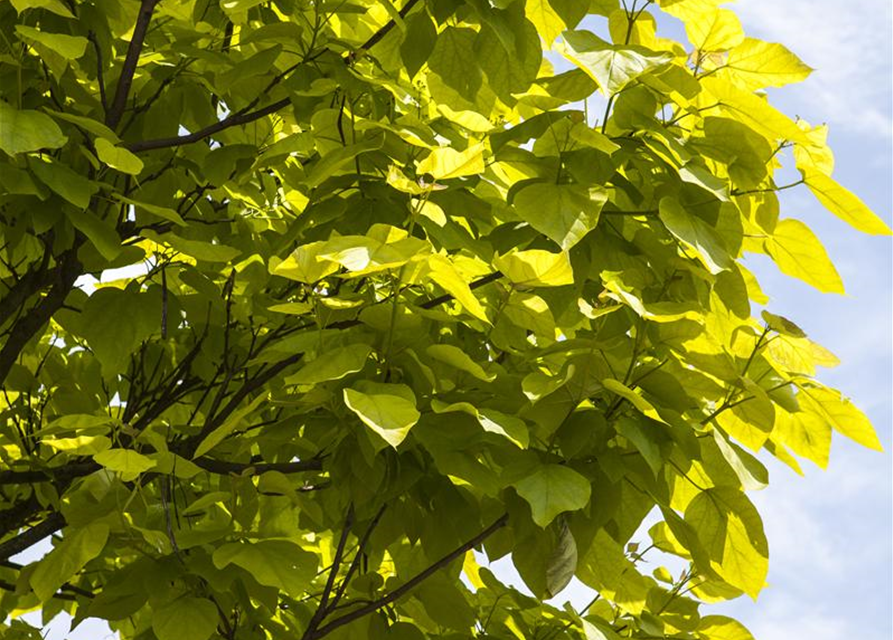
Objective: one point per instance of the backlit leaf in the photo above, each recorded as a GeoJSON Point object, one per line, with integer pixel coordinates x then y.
{"type": "Point", "coordinates": [553, 489]}
{"type": "Point", "coordinates": [390, 416]}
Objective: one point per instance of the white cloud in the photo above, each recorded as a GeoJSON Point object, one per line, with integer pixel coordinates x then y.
{"type": "Point", "coordinates": [848, 43]}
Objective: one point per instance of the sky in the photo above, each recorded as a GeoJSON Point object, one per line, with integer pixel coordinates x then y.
{"type": "Point", "coordinates": [830, 533]}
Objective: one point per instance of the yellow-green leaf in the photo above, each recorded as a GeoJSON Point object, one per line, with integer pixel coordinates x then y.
{"type": "Point", "coordinates": [563, 213]}
{"type": "Point", "coordinates": [275, 563]}
{"type": "Point", "coordinates": [492, 421]}
{"type": "Point", "coordinates": [219, 434]}
{"type": "Point", "coordinates": [731, 532]}
{"type": "Point", "coordinates": [444, 162]}
{"type": "Point", "coordinates": [305, 265]}
{"type": "Point", "coordinates": [717, 30]}
{"type": "Point", "coordinates": [696, 235]}
{"type": "Point", "coordinates": [807, 434]}
{"type": "Point", "coordinates": [799, 253]}
{"type": "Point", "coordinates": [126, 462]}
{"type": "Point", "coordinates": [612, 66]}
{"type": "Point", "coordinates": [332, 364]}
{"type": "Point", "coordinates": [840, 413]}
{"type": "Point", "coordinates": [553, 489]}
{"type": "Point", "coordinates": [844, 204]}
{"type": "Point", "coordinates": [755, 64]}
{"type": "Point", "coordinates": [546, 20]}
{"type": "Point", "coordinates": [69, 47]}
{"type": "Point", "coordinates": [79, 546]}
{"type": "Point", "coordinates": [390, 416]}
{"type": "Point", "coordinates": [536, 268]}
{"type": "Point", "coordinates": [118, 157]}
{"type": "Point", "coordinates": [447, 275]}
{"type": "Point", "coordinates": [185, 618]}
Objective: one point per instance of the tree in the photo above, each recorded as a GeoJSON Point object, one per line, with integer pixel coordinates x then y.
{"type": "Point", "coordinates": [392, 294]}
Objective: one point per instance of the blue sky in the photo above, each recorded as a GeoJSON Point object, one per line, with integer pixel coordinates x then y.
{"type": "Point", "coordinates": [830, 533]}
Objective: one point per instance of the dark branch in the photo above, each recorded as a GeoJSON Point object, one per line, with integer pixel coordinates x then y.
{"type": "Point", "coordinates": [477, 284]}
{"type": "Point", "coordinates": [379, 35]}
{"type": "Point", "coordinates": [412, 583]}
{"type": "Point", "coordinates": [220, 467]}
{"type": "Point", "coordinates": [65, 274]}
{"type": "Point", "coordinates": [355, 564]}
{"type": "Point", "coordinates": [32, 536]}
{"type": "Point", "coordinates": [113, 116]}
{"type": "Point", "coordinates": [323, 609]}
{"type": "Point", "coordinates": [246, 116]}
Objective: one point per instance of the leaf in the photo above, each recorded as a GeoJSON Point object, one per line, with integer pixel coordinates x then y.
{"type": "Point", "coordinates": [390, 416]}
{"type": "Point", "coordinates": [536, 268]}
{"type": "Point", "coordinates": [118, 157]}
{"type": "Point", "coordinates": [492, 421]}
{"type": "Point", "coordinates": [69, 47]}
{"type": "Point", "coordinates": [103, 236]}
{"type": "Point", "coordinates": [807, 434]}
{"type": "Point", "coordinates": [57, 176]}
{"type": "Point", "coordinates": [453, 60]}
{"type": "Point", "coordinates": [799, 253]}
{"type": "Point", "coordinates": [185, 618]}
{"type": "Point", "coordinates": [755, 64]}
{"type": "Point", "coordinates": [81, 445]}
{"type": "Point", "coordinates": [55, 6]}
{"type": "Point", "coordinates": [731, 531]}
{"type": "Point", "coordinates": [220, 434]}
{"type": "Point", "coordinates": [332, 365]}
{"type": "Point", "coordinates": [612, 66]}
{"type": "Point", "coordinates": [79, 545]}
{"type": "Point", "coordinates": [844, 204]}
{"type": "Point", "coordinates": [643, 438]}
{"type": "Point", "coordinates": [126, 462]}
{"type": "Point", "coordinates": [275, 563]}
{"type": "Point", "coordinates": [27, 130]}
{"type": "Point", "coordinates": [198, 249]}
{"type": "Point", "coordinates": [606, 569]}
{"type": "Point", "coordinates": [88, 124]}
{"type": "Point", "coordinates": [564, 213]}
{"type": "Point", "coordinates": [717, 30]}
{"type": "Point", "coordinates": [455, 357]}
{"type": "Point", "coordinates": [562, 563]}
{"type": "Point", "coordinates": [333, 161]}
{"type": "Point", "coordinates": [445, 163]}
{"type": "Point", "coordinates": [640, 403]}
{"type": "Point", "coordinates": [840, 413]}
{"type": "Point", "coordinates": [696, 235]}
{"type": "Point", "coordinates": [722, 628]}
{"type": "Point", "coordinates": [446, 274]}
{"type": "Point", "coordinates": [553, 489]}
{"type": "Point", "coordinates": [754, 111]}
{"type": "Point", "coordinates": [110, 339]}
{"type": "Point", "coordinates": [165, 213]}
{"type": "Point", "coordinates": [304, 264]}
{"type": "Point", "coordinates": [546, 20]}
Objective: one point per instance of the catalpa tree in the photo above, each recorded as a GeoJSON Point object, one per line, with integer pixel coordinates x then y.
{"type": "Point", "coordinates": [394, 295]}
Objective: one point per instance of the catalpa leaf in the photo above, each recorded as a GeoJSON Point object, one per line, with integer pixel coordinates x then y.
{"type": "Point", "coordinates": [389, 415]}
{"type": "Point", "coordinates": [553, 489]}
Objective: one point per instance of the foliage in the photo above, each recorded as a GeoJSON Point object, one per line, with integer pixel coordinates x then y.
{"type": "Point", "coordinates": [391, 298]}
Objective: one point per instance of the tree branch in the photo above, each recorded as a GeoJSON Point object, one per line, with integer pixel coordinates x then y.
{"type": "Point", "coordinates": [355, 563]}
{"type": "Point", "coordinates": [32, 536]}
{"type": "Point", "coordinates": [245, 116]}
{"type": "Point", "coordinates": [65, 274]}
{"type": "Point", "coordinates": [219, 467]}
{"type": "Point", "coordinates": [323, 609]}
{"type": "Point", "coordinates": [113, 115]}
{"type": "Point", "coordinates": [412, 583]}
{"type": "Point", "coordinates": [477, 284]}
